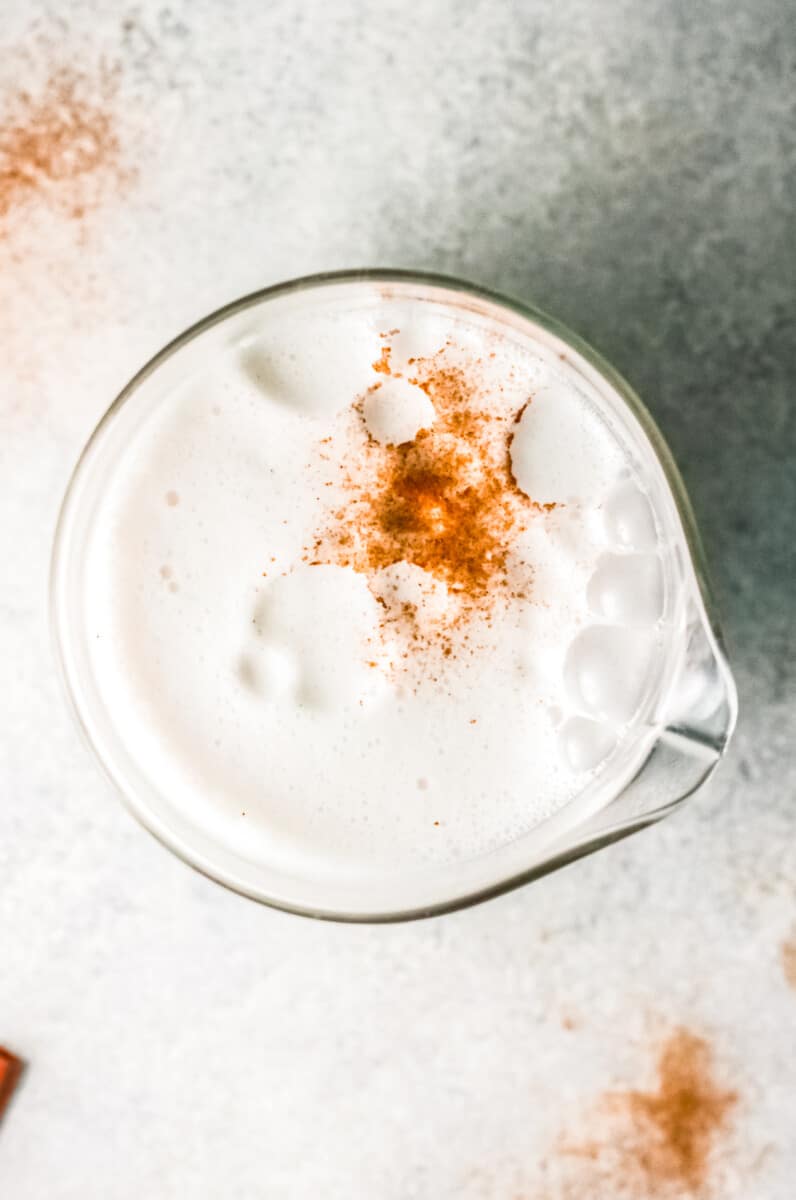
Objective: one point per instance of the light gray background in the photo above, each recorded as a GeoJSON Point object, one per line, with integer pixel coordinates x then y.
{"type": "Point", "coordinates": [628, 166]}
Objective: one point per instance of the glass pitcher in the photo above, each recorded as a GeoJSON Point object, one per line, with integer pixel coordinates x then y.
{"type": "Point", "coordinates": [687, 719]}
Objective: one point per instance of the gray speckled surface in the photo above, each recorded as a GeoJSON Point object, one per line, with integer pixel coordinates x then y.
{"type": "Point", "coordinates": [628, 166]}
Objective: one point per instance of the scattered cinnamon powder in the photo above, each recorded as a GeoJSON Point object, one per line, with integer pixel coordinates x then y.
{"type": "Point", "coordinates": [60, 146]}
{"type": "Point", "coordinates": [382, 363]}
{"type": "Point", "coordinates": [659, 1143]}
{"type": "Point", "coordinates": [788, 953]}
{"type": "Point", "coordinates": [446, 502]}
{"type": "Point", "coordinates": [11, 1069]}
{"type": "Point", "coordinates": [675, 1126]}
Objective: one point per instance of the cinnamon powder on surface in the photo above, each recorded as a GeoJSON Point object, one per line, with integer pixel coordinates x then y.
{"type": "Point", "coordinates": [788, 955]}
{"type": "Point", "coordinates": [445, 502]}
{"type": "Point", "coordinates": [59, 146]}
{"type": "Point", "coordinates": [659, 1143]}
{"type": "Point", "coordinates": [11, 1069]}
{"type": "Point", "coordinates": [674, 1128]}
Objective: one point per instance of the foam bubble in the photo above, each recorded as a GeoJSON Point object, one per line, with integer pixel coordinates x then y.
{"type": "Point", "coordinates": [395, 411]}
{"type": "Point", "coordinates": [627, 589]}
{"type": "Point", "coordinates": [587, 743]}
{"type": "Point", "coordinates": [320, 620]}
{"type": "Point", "coordinates": [270, 672]}
{"type": "Point", "coordinates": [334, 361]}
{"type": "Point", "coordinates": [561, 453]}
{"type": "Point", "coordinates": [606, 670]}
{"type": "Point", "coordinates": [628, 519]}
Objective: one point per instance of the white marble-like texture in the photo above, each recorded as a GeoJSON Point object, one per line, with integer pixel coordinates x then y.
{"type": "Point", "coordinates": [628, 166]}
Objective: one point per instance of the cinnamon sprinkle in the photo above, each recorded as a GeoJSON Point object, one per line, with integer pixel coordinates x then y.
{"type": "Point", "coordinates": [60, 146]}
{"type": "Point", "coordinates": [382, 364]}
{"type": "Point", "coordinates": [446, 502]}
{"type": "Point", "coordinates": [660, 1143]}
{"type": "Point", "coordinates": [788, 952]}
{"type": "Point", "coordinates": [674, 1128]}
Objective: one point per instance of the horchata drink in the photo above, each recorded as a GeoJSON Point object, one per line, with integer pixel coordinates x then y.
{"type": "Point", "coordinates": [373, 586]}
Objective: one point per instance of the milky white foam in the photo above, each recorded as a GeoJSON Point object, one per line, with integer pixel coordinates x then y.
{"type": "Point", "coordinates": [264, 695]}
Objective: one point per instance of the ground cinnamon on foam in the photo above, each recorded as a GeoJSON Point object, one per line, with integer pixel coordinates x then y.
{"type": "Point", "coordinates": [446, 502]}
{"type": "Point", "coordinates": [60, 145]}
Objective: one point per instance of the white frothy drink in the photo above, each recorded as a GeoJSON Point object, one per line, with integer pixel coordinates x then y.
{"type": "Point", "coordinates": [319, 676]}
